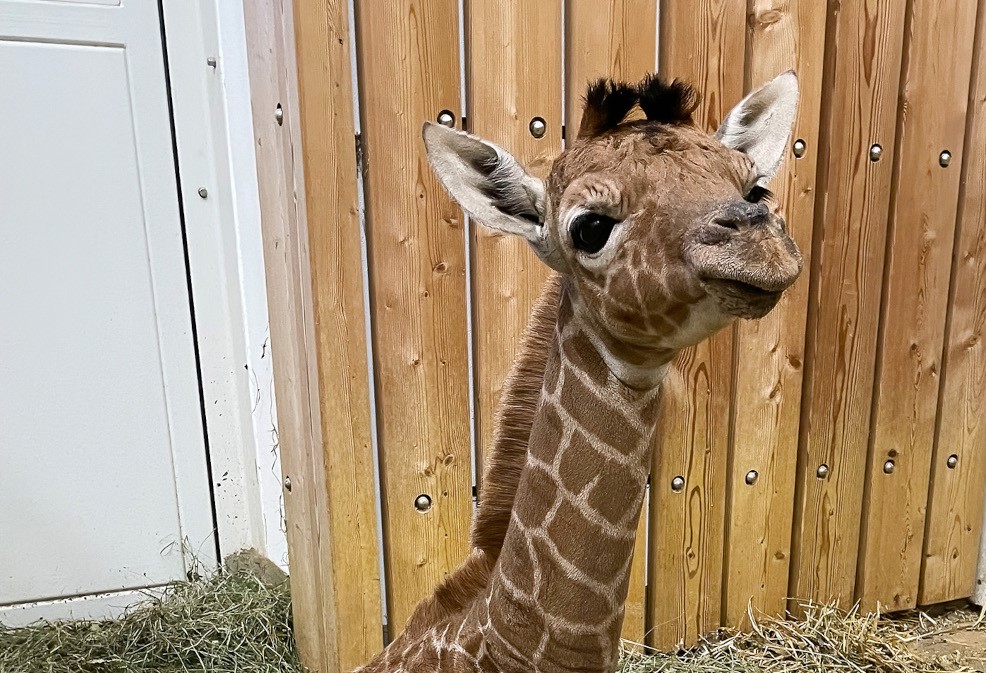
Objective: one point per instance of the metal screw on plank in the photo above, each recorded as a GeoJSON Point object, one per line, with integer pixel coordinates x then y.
{"type": "Point", "coordinates": [678, 484]}
{"type": "Point", "coordinates": [446, 118]}
{"type": "Point", "coordinates": [888, 467]}
{"type": "Point", "coordinates": [822, 471]}
{"type": "Point", "coordinates": [211, 61]}
{"type": "Point", "coordinates": [952, 461]}
{"type": "Point", "coordinates": [203, 192]}
{"type": "Point", "coordinates": [538, 127]}
{"type": "Point", "coordinates": [423, 502]}
{"type": "Point", "coordinates": [876, 151]}
{"type": "Point", "coordinates": [751, 477]}
{"type": "Point", "coordinates": [945, 158]}
{"type": "Point", "coordinates": [279, 115]}
{"type": "Point", "coordinates": [287, 484]}
{"type": "Point", "coordinates": [800, 147]}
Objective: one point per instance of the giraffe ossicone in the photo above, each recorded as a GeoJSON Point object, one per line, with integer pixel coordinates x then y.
{"type": "Point", "coordinates": [659, 235]}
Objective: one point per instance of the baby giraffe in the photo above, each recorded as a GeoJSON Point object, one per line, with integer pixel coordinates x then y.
{"type": "Point", "coordinates": [660, 236]}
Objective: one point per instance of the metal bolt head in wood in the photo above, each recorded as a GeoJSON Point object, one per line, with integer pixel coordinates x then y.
{"type": "Point", "coordinates": [446, 118]}
{"type": "Point", "coordinates": [538, 127]}
{"type": "Point", "coordinates": [822, 472]}
{"type": "Point", "coordinates": [945, 158]}
{"type": "Point", "coordinates": [888, 467]}
{"type": "Point", "coordinates": [423, 502]}
{"type": "Point", "coordinates": [203, 192]}
{"type": "Point", "coordinates": [751, 477]}
{"type": "Point", "coordinates": [279, 115]}
{"type": "Point", "coordinates": [287, 484]}
{"type": "Point", "coordinates": [800, 147]}
{"type": "Point", "coordinates": [952, 461]}
{"type": "Point", "coordinates": [678, 484]}
{"type": "Point", "coordinates": [876, 151]}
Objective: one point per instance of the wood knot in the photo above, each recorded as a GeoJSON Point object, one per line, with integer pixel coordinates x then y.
{"type": "Point", "coordinates": [764, 20]}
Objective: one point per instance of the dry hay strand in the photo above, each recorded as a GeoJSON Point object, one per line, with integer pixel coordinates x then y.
{"type": "Point", "coordinates": [824, 639]}
{"type": "Point", "coordinates": [230, 622]}
{"type": "Point", "coordinates": [234, 621]}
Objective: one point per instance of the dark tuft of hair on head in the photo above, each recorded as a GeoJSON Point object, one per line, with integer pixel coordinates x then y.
{"type": "Point", "coordinates": [666, 103]}
{"type": "Point", "coordinates": [606, 104]}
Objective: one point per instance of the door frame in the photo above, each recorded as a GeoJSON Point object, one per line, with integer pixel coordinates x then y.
{"type": "Point", "coordinates": [218, 192]}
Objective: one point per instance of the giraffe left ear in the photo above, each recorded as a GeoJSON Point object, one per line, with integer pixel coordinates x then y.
{"type": "Point", "coordinates": [490, 186]}
{"type": "Point", "coordinates": [760, 126]}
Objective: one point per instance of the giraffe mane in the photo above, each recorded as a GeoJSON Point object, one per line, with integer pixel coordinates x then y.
{"type": "Point", "coordinates": [671, 102]}
{"type": "Point", "coordinates": [513, 421]}
{"type": "Point", "coordinates": [607, 103]}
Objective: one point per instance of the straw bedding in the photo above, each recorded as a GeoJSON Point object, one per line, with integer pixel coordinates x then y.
{"type": "Point", "coordinates": [239, 621]}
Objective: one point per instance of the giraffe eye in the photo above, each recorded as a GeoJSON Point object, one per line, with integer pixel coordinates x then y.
{"type": "Point", "coordinates": [590, 231]}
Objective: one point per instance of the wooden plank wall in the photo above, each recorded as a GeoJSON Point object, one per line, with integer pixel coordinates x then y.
{"type": "Point", "coordinates": [933, 101]}
{"type": "Point", "coordinates": [876, 355]}
{"type": "Point", "coordinates": [859, 111]}
{"type": "Point", "coordinates": [769, 353]}
{"type": "Point", "coordinates": [409, 73]}
{"type": "Point", "coordinates": [331, 195]}
{"type": "Point", "coordinates": [955, 503]}
{"type": "Point", "coordinates": [503, 96]}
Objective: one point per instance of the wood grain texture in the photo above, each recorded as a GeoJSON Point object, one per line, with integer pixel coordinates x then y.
{"type": "Point", "coordinates": [408, 61]}
{"type": "Point", "coordinates": [635, 614]}
{"type": "Point", "coordinates": [273, 81]}
{"type": "Point", "coordinates": [331, 198]}
{"type": "Point", "coordinates": [862, 74]}
{"type": "Point", "coordinates": [615, 40]}
{"type": "Point", "coordinates": [782, 34]}
{"type": "Point", "coordinates": [503, 95]}
{"type": "Point", "coordinates": [955, 502]}
{"type": "Point", "coordinates": [701, 42]}
{"type": "Point", "coordinates": [934, 99]}
{"type": "Point", "coordinates": [606, 39]}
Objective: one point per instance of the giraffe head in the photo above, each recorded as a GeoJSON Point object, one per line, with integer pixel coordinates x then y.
{"type": "Point", "coordinates": [664, 230]}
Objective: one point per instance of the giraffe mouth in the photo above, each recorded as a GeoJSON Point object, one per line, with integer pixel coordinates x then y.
{"type": "Point", "coordinates": [740, 287]}
{"type": "Point", "coordinates": [742, 299]}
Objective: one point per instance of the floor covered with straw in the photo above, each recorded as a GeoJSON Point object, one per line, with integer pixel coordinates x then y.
{"type": "Point", "coordinates": [240, 621]}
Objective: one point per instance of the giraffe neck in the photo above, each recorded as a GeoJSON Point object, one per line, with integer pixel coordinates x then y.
{"type": "Point", "coordinates": [557, 594]}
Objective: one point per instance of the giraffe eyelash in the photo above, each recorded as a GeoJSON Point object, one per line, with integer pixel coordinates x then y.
{"type": "Point", "coordinates": [759, 194]}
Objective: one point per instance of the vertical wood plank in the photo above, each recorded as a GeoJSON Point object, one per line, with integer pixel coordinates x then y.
{"type": "Point", "coordinates": [955, 503]}
{"type": "Point", "coordinates": [331, 197]}
{"type": "Point", "coordinates": [273, 81]}
{"type": "Point", "coordinates": [862, 74]}
{"type": "Point", "coordinates": [618, 40]}
{"type": "Point", "coordinates": [704, 43]}
{"type": "Point", "coordinates": [409, 65]}
{"type": "Point", "coordinates": [782, 34]}
{"type": "Point", "coordinates": [613, 39]}
{"type": "Point", "coordinates": [504, 93]}
{"type": "Point", "coordinates": [934, 99]}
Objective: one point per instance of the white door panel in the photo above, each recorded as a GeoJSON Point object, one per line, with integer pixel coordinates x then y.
{"type": "Point", "coordinates": [102, 456]}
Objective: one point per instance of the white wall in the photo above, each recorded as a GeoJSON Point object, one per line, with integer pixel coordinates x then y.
{"type": "Point", "coordinates": [246, 204]}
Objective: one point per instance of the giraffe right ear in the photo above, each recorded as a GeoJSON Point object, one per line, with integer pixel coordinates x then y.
{"type": "Point", "coordinates": [488, 183]}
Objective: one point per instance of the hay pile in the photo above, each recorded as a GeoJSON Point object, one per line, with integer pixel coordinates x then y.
{"type": "Point", "coordinates": [237, 622]}
{"type": "Point", "coordinates": [826, 639]}
{"type": "Point", "coordinates": [231, 622]}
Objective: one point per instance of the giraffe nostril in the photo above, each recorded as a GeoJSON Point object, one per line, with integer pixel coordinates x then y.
{"type": "Point", "coordinates": [727, 223]}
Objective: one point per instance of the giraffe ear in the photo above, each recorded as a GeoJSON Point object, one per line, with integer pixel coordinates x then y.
{"type": "Point", "coordinates": [488, 183]}
{"type": "Point", "coordinates": [760, 126]}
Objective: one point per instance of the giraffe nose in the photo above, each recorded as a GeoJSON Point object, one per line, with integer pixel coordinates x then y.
{"type": "Point", "coordinates": [742, 214]}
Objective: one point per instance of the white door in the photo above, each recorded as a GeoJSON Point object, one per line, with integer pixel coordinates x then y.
{"type": "Point", "coordinates": [103, 473]}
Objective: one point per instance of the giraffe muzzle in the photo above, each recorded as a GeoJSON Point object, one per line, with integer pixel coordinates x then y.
{"type": "Point", "coordinates": [747, 264]}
